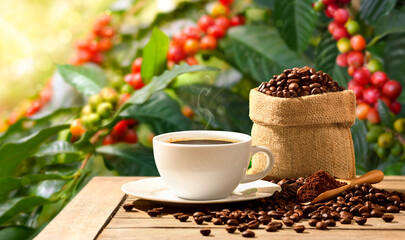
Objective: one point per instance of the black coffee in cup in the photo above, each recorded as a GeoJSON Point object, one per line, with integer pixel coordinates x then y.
{"type": "Point", "coordinates": [204, 141]}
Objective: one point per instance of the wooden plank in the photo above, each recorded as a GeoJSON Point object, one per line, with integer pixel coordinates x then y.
{"type": "Point", "coordinates": [87, 213]}
{"type": "Point", "coordinates": [184, 233]}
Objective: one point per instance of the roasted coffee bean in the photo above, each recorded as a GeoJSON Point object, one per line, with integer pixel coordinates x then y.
{"type": "Point", "coordinates": [230, 229]}
{"type": "Point", "coordinates": [288, 222]}
{"type": "Point", "coordinates": [205, 231]}
{"type": "Point", "coordinates": [330, 222]}
{"type": "Point", "coordinates": [360, 220]}
{"type": "Point", "coordinates": [315, 91]}
{"type": "Point", "coordinates": [254, 224]}
{"type": "Point", "coordinates": [295, 218]}
{"type": "Point", "coordinates": [243, 227]}
{"type": "Point", "coordinates": [278, 224]}
{"type": "Point", "coordinates": [176, 215]}
{"type": "Point", "coordinates": [271, 228]}
{"type": "Point", "coordinates": [315, 85]}
{"type": "Point", "coordinates": [153, 213]}
{"type": "Point", "coordinates": [128, 207]}
{"type": "Point", "coordinates": [207, 218]}
{"type": "Point", "coordinates": [387, 218]}
{"type": "Point", "coordinates": [232, 222]}
{"type": "Point", "coordinates": [160, 209]}
{"type": "Point", "coordinates": [264, 219]}
{"type": "Point", "coordinates": [248, 234]}
{"type": "Point", "coordinates": [199, 220]}
{"type": "Point", "coordinates": [321, 225]}
{"type": "Point", "coordinates": [312, 222]}
{"type": "Point", "coordinates": [198, 214]}
{"type": "Point", "coordinates": [299, 228]}
{"type": "Point", "coordinates": [366, 215]}
{"type": "Point", "coordinates": [183, 218]}
{"type": "Point", "coordinates": [376, 213]}
{"type": "Point", "coordinates": [224, 218]}
{"type": "Point", "coordinates": [345, 221]}
{"type": "Point", "coordinates": [392, 209]}
{"type": "Point", "coordinates": [217, 221]}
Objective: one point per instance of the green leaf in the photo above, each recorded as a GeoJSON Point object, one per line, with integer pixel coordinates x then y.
{"type": "Point", "coordinates": [387, 118]}
{"type": "Point", "coordinates": [161, 82]}
{"type": "Point", "coordinates": [325, 59]}
{"type": "Point", "coordinates": [87, 80]}
{"type": "Point", "coordinates": [391, 23]}
{"type": "Point", "coordinates": [16, 233]}
{"type": "Point", "coordinates": [394, 57]}
{"type": "Point", "coordinates": [258, 51]}
{"type": "Point", "coordinates": [10, 183]}
{"type": "Point", "coordinates": [154, 55]}
{"type": "Point", "coordinates": [360, 144]}
{"type": "Point", "coordinates": [12, 153]}
{"type": "Point", "coordinates": [24, 204]}
{"type": "Point", "coordinates": [372, 10]}
{"type": "Point", "coordinates": [162, 112]}
{"type": "Point", "coordinates": [218, 107]}
{"type": "Point", "coordinates": [130, 159]}
{"type": "Point", "coordinates": [295, 21]}
{"type": "Point", "coordinates": [57, 147]}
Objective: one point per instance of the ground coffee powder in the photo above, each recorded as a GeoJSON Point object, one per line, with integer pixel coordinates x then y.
{"type": "Point", "coordinates": [316, 184]}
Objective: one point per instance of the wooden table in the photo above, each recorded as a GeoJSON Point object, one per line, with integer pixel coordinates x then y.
{"type": "Point", "coordinates": [96, 213]}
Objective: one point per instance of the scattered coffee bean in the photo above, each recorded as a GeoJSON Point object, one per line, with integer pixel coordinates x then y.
{"type": "Point", "coordinates": [330, 222]}
{"type": "Point", "coordinates": [232, 222]}
{"type": "Point", "coordinates": [128, 207]}
{"type": "Point", "coordinates": [312, 222]}
{"type": "Point", "coordinates": [198, 214]}
{"type": "Point", "coordinates": [299, 228]}
{"type": "Point", "coordinates": [254, 224]}
{"type": "Point", "coordinates": [288, 222]}
{"type": "Point", "coordinates": [360, 220]}
{"type": "Point", "coordinates": [376, 213]}
{"type": "Point", "coordinates": [176, 215]}
{"type": "Point", "coordinates": [387, 218]}
{"type": "Point", "coordinates": [207, 218]}
{"type": "Point", "coordinates": [321, 225]}
{"type": "Point", "coordinates": [271, 228]}
{"type": "Point", "coordinates": [230, 229]}
{"type": "Point", "coordinates": [183, 218]}
{"type": "Point", "coordinates": [345, 221]}
{"type": "Point", "coordinates": [264, 219]}
{"type": "Point", "coordinates": [199, 220]}
{"type": "Point", "coordinates": [153, 213]}
{"type": "Point", "coordinates": [243, 227]}
{"type": "Point", "coordinates": [279, 225]}
{"type": "Point", "coordinates": [217, 221]}
{"type": "Point", "coordinates": [248, 234]}
{"type": "Point", "coordinates": [159, 209]}
{"type": "Point", "coordinates": [205, 231]}
{"type": "Point", "coordinates": [392, 209]}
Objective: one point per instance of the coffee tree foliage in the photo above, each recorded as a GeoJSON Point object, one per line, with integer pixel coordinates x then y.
{"type": "Point", "coordinates": [41, 169]}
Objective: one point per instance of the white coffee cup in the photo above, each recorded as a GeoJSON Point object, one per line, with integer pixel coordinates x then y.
{"type": "Point", "coordinates": [203, 172]}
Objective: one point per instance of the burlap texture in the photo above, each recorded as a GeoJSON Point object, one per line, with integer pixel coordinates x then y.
{"type": "Point", "coordinates": [306, 134]}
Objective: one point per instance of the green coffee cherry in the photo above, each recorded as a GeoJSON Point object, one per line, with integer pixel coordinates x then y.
{"type": "Point", "coordinates": [94, 101]}
{"type": "Point", "coordinates": [374, 65]}
{"type": "Point", "coordinates": [126, 88]}
{"type": "Point", "coordinates": [105, 109]}
{"type": "Point", "coordinates": [399, 125]}
{"type": "Point", "coordinates": [85, 120]}
{"type": "Point", "coordinates": [353, 27]}
{"type": "Point", "coordinates": [397, 149]}
{"type": "Point", "coordinates": [376, 128]}
{"type": "Point", "coordinates": [94, 119]}
{"type": "Point", "coordinates": [109, 95]}
{"type": "Point", "coordinates": [386, 140]}
{"type": "Point", "coordinates": [86, 110]}
{"type": "Point", "coordinates": [382, 152]}
{"type": "Point", "coordinates": [319, 6]}
{"type": "Point", "coordinates": [372, 136]}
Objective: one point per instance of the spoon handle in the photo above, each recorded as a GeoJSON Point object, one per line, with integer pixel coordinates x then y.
{"type": "Point", "coordinates": [374, 176]}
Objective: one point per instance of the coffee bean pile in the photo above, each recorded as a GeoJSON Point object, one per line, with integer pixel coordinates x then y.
{"type": "Point", "coordinates": [350, 207]}
{"type": "Point", "coordinates": [299, 82]}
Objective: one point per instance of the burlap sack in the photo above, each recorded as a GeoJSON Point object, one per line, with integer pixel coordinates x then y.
{"type": "Point", "coordinates": [306, 134]}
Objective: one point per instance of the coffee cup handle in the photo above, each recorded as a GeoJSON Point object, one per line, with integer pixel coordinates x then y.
{"type": "Point", "coordinates": [266, 170]}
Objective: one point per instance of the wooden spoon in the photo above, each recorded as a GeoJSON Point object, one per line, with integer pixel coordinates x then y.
{"type": "Point", "coordinates": [374, 176]}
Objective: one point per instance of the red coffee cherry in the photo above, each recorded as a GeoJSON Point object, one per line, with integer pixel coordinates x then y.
{"type": "Point", "coordinates": [371, 94]}
{"type": "Point", "coordinates": [191, 60]}
{"type": "Point", "coordinates": [216, 31]}
{"type": "Point", "coordinates": [237, 20]}
{"type": "Point", "coordinates": [191, 46]}
{"type": "Point", "coordinates": [175, 54]}
{"type": "Point", "coordinates": [226, 2]}
{"type": "Point", "coordinates": [395, 107]}
{"type": "Point", "coordinates": [341, 15]}
{"type": "Point", "coordinates": [208, 42]}
{"type": "Point", "coordinates": [355, 59]}
{"type": "Point", "coordinates": [362, 76]}
{"type": "Point", "coordinates": [205, 22]}
{"type": "Point", "coordinates": [358, 91]}
{"type": "Point", "coordinates": [332, 26]}
{"type": "Point", "coordinates": [135, 80]}
{"type": "Point", "coordinates": [330, 10]}
{"type": "Point", "coordinates": [379, 78]}
{"type": "Point", "coordinates": [108, 140]}
{"type": "Point", "coordinates": [223, 22]}
{"type": "Point", "coordinates": [341, 60]}
{"type": "Point", "coordinates": [76, 128]}
{"type": "Point", "coordinates": [373, 116]}
{"type": "Point", "coordinates": [340, 32]}
{"type": "Point", "coordinates": [362, 111]}
{"type": "Point", "coordinates": [131, 136]}
{"type": "Point", "coordinates": [392, 89]}
{"type": "Point", "coordinates": [178, 39]}
{"type": "Point", "coordinates": [136, 65]}
{"type": "Point", "coordinates": [104, 44]}
{"type": "Point", "coordinates": [192, 32]}
{"type": "Point", "coordinates": [119, 130]}
{"type": "Point", "coordinates": [358, 43]}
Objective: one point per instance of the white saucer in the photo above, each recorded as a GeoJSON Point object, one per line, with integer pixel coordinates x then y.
{"type": "Point", "coordinates": [155, 189]}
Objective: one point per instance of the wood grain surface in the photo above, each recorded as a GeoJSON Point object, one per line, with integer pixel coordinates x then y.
{"type": "Point", "coordinates": [96, 212]}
